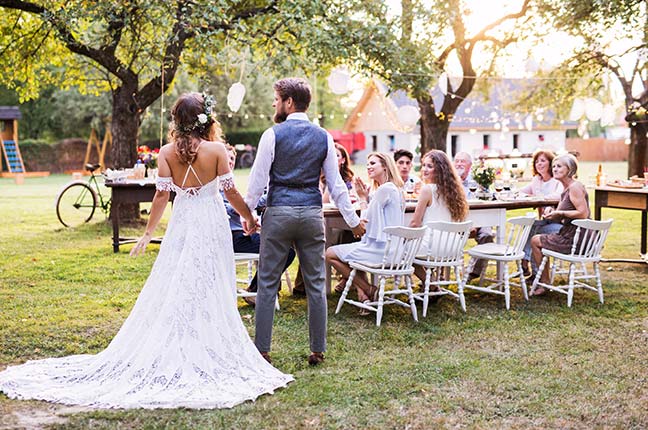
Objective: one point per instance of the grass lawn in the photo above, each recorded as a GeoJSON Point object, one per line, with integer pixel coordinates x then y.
{"type": "Point", "coordinates": [539, 365]}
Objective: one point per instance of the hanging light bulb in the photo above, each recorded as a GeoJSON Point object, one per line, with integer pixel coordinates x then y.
{"type": "Point", "coordinates": [338, 80]}
{"type": "Point", "coordinates": [235, 96]}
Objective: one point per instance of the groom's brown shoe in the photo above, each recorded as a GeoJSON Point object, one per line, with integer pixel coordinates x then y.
{"type": "Point", "coordinates": [266, 356]}
{"type": "Point", "coordinates": [316, 358]}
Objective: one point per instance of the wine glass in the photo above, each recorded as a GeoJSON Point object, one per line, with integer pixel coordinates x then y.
{"type": "Point", "coordinates": [507, 188]}
{"type": "Point", "coordinates": [473, 189]}
{"type": "Point", "coordinates": [499, 186]}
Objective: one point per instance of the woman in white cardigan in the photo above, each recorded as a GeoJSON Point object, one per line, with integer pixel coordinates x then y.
{"type": "Point", "coordinates": [381, 206]}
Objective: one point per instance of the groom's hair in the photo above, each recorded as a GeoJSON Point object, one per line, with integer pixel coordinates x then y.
{"type": "Point", "coordinates": [296, 88]}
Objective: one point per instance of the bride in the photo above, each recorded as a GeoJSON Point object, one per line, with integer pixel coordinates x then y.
{"type": "Point", "coordinates": [183, 344]}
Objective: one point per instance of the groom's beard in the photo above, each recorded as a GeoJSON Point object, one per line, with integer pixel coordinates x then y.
{"type": "Point", "coordinates": [280, 117]}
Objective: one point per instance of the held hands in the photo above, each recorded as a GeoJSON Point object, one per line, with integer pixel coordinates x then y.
{"type": "Point", "coordinates": [250, 226]}
{"type": "Point", "coordinates": [359, 230]}
{"type": "Point", "coordinates": [551, 214]}
{"type": "Point", "coordinates": [141, 244]}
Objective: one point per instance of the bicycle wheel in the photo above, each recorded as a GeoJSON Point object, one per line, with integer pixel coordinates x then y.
{"type": "Point", "coordinates": [76, 204]}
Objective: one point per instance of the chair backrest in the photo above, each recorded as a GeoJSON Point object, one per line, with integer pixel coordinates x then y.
{"type": "Point", "coordinates": [402, 245]}
{"type": "Point", "coordinates": [518, 233]}
{"type": "Point", "coordinates": [590, 237]}
{"type": "Point", "coordinates": [447, 241]}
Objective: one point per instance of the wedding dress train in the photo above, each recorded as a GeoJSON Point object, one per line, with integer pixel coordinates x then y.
{"type": "Point", "coordinates": [183, 344]}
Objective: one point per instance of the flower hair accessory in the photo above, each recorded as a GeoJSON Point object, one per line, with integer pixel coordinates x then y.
{"type": "Point", "coordinates": [203, 119]}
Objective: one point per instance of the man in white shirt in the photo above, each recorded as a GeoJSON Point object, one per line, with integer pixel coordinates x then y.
{"type": "Point", "coordinates": [289, 159]}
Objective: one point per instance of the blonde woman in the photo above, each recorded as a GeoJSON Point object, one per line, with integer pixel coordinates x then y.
{"type": "Point", "coordinates": [382, 205]}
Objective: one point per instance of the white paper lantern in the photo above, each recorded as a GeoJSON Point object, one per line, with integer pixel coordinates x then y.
{"type": "Point", "coordinates": [443, 83]}
{"type": "Point", "coordinates": [577, 110]}
{"type": "Point", "coordinates": [338, 81]}
{"type": "Point", "coordinates": [608, 116]}
{"type": "Point", "coordinates": [455, 82]}
{"type": "Point", "coordinates": [528, 122]}
{"type": "Point", "coordinates": [593, 109]}
{"type": "Point", "coordinates": [408, 116]}
{"type": "Point", "coordinates": [235, 96]}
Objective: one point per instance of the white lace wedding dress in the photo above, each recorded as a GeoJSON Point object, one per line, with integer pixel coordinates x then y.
{"type": "Point", "coordinates": [183, 344]}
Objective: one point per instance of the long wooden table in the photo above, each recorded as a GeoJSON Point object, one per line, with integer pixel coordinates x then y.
{"type": "Point", "coordinates": [129, 192]}
{"type": "Point", "coordinates": [624, 198]}
{"type": "Point", "coordinates": [482, 214]}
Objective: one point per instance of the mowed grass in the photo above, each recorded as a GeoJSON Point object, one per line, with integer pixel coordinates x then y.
{"type": "Point", "coordinates": [539, 365]}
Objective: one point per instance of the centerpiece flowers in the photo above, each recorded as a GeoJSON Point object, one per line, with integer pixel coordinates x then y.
{"type": "Point", "coordinates": [147, 156]}
{"type": "Point", "coordinates": [484, 176]}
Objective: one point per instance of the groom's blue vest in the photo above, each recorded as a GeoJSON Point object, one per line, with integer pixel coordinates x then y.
{"type": "Point", "coordinates": [300, 150]}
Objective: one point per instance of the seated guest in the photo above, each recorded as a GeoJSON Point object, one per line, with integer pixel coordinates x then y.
{"type": "Point", "coordinates": [241, 241]}
{"type": "Point", "coordinates": [382, 206]}
{"type": "Point", "coordinates": [463, 164]}
{"type": "Point", "coordinates": [543, 184]}
{"type": "Point", "coordinates": [574, 204]}
{"type": "Point", "coordinates": [442, 198]}
{"type": "Point", "coordinates": [344, 164]}
{"type": "Point", "coordinates": [403, 159]}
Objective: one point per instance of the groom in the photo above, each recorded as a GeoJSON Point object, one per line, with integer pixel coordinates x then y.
{"type": "Point", "coordinates": [289, 159]}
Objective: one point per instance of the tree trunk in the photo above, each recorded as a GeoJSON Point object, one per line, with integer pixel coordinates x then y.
{"type": "Point", "coordinates": [638, 156]}
{"type": "Point", "coordinates": [126, 116]}
{"type": "Point", "coordinates": [434, 130]}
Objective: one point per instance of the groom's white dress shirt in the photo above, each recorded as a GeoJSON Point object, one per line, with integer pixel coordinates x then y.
{"type": "Point", "coordinates": [260, 173]}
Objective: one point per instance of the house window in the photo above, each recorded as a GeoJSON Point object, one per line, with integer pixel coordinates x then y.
{"type": "Point", "coordinates": [392, 142]}
{"type": "Point", "coordinates": [454, 141]}
{"type": "Point", "coordinates": [516, 141]}
{"type": "Point", "coordinates": [486, 140]}
{"type": "Point", "coordinates": [374, 143]}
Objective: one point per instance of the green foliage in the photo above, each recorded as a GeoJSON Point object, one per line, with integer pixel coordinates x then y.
{"type": "Point", "coordinates": [539, 365]}
{"type": "Point", "coordinates": [246, 137]}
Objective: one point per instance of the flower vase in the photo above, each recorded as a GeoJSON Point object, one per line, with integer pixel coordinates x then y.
{"type": "Point", "coordinates": [483, 193]}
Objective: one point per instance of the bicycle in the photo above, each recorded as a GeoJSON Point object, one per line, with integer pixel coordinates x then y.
{"type": "Point", "coordinates": [77, 201]}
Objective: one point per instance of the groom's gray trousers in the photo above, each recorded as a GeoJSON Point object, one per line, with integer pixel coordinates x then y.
{"type": "Point", "coordinates": [283, 226]}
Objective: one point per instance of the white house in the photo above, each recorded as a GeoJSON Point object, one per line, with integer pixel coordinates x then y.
{"type": "Point", "coordinates": [480, 126]}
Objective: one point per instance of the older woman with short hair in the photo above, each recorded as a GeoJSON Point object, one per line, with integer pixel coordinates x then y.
{"type": "Point", "coordinates": [574, 204]}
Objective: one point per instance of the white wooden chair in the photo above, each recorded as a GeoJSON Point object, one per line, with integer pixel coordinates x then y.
{"type": "Point", "coordinates": [252, 261]}
{"type": "Point", "coordinates": [586, 248]}
{"type": "Point", "coordinates": [402, 245]}
{"type": "Point", "coordinates": [445, 252]}
{"type": "Point", "coordinates": [512, 250]}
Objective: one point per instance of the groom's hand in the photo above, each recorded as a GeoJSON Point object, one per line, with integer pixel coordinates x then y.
{"type": "Point", "coordinates": [359, 230]}
{"type": "Point", "coordinates": [250, 226]}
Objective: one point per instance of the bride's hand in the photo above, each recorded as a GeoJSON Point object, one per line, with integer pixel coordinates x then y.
{"type": "Point", "coordinates": [140, 246]}
{"type": "Point", "coordinates": [250, 226]}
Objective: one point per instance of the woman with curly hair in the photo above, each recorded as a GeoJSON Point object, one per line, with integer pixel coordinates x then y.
{"type": "Point", "coordinates": [442, 197]}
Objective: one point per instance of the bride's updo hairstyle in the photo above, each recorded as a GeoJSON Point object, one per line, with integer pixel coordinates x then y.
{"type": "Point", "coordinates": [192, 122]}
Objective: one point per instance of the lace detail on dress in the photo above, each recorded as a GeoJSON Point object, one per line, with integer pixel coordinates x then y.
{"type": "Point", "coordinates": [164, 184]}
{"type": "Point", "coordinates": [183, 344]}
{"type": "Point", "coordinates": [226, 181]}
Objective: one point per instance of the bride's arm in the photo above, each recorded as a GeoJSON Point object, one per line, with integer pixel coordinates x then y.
{"type": "Point", "coordinates": [232, 194]}
{"type": "Point", "coordinates": [160, 201]}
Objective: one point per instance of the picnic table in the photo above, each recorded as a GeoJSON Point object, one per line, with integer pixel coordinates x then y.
{"type": "Point", "coordinates": [624, 198]}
